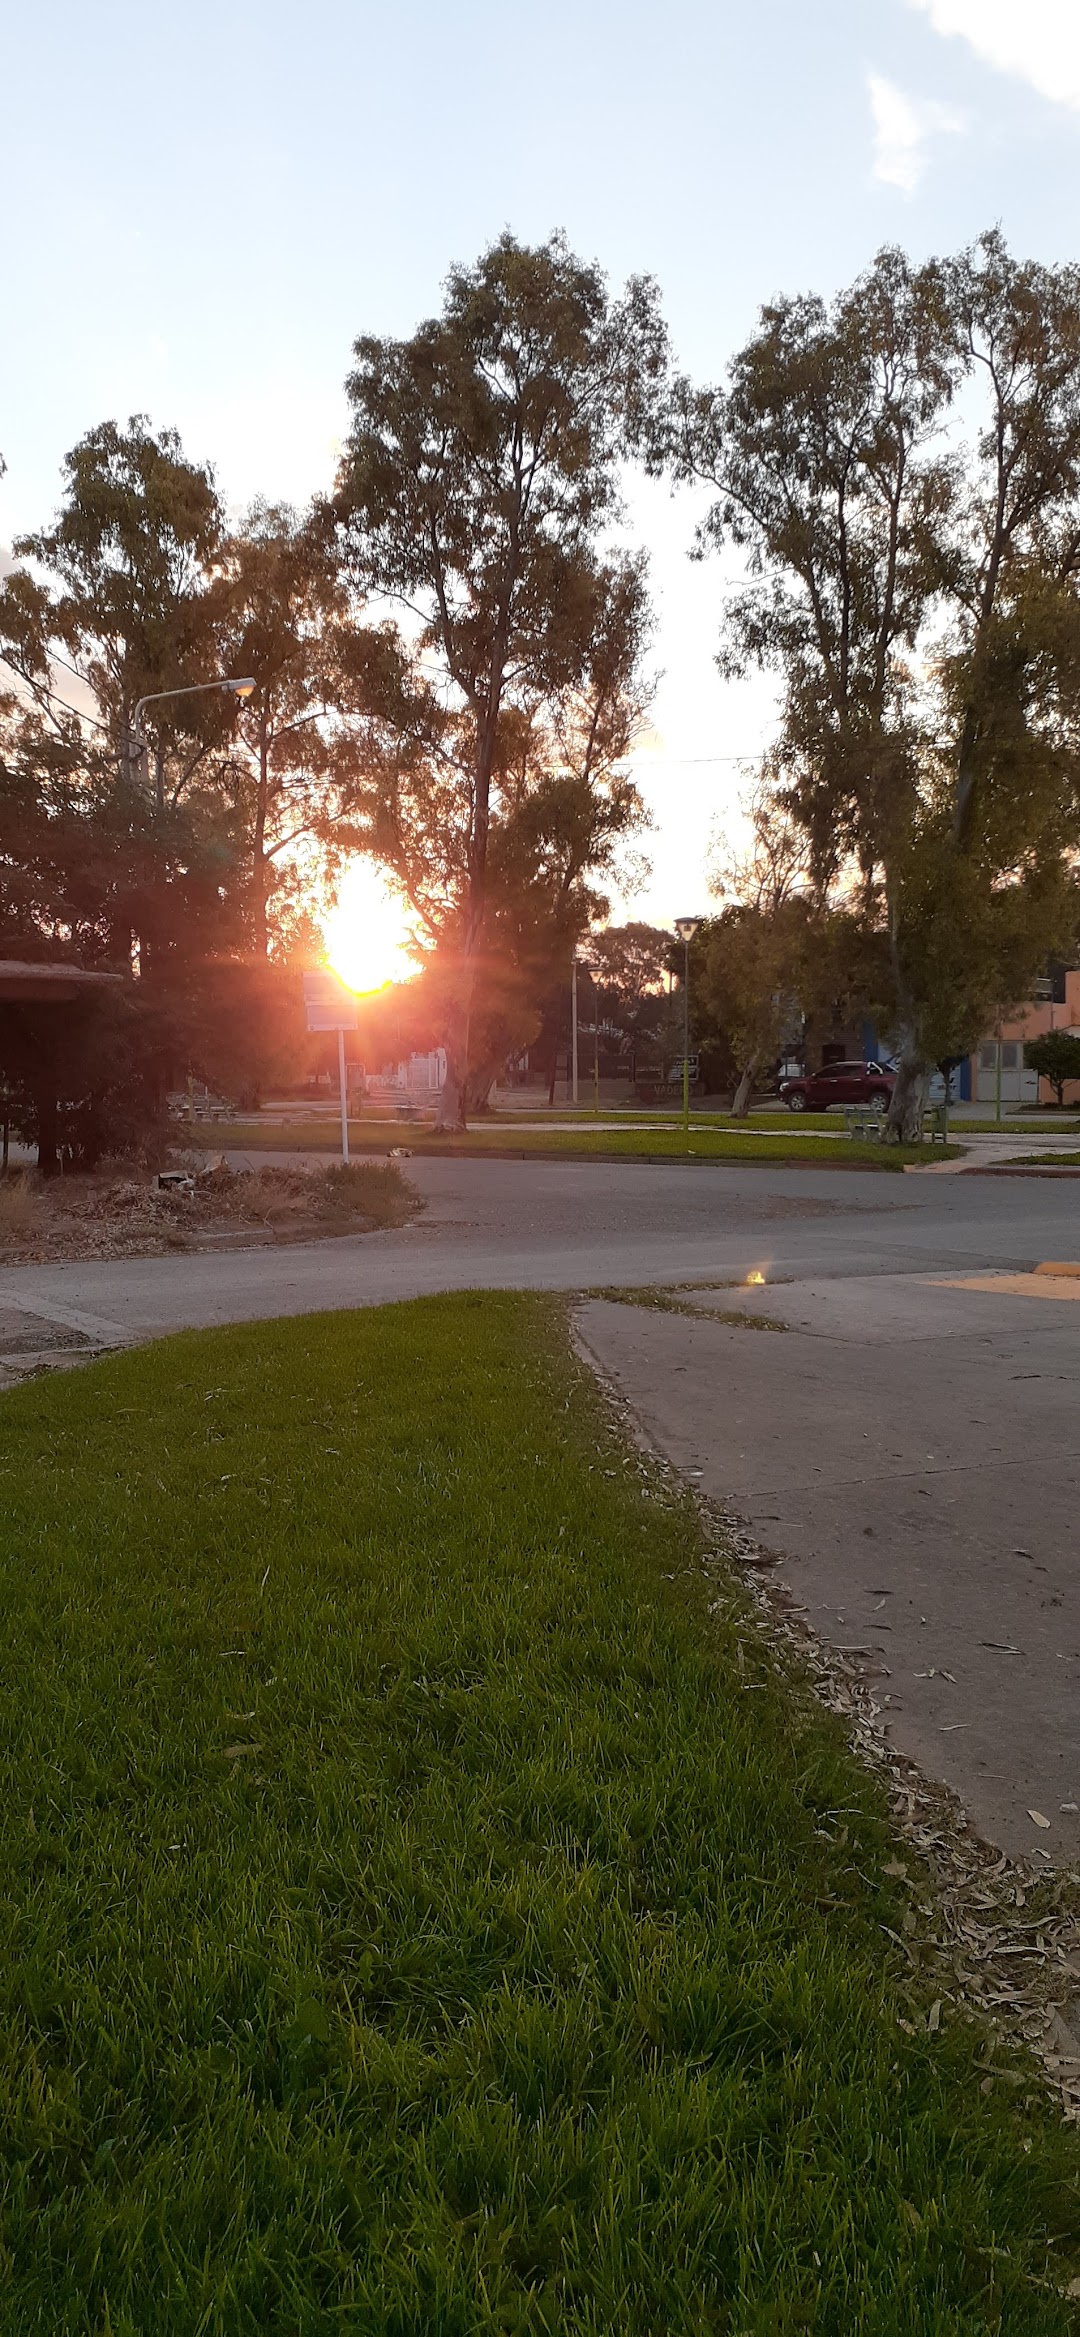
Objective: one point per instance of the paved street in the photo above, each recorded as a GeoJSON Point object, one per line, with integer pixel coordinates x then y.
{"type": "Point", "coordinates": [911, 1448]}
{"type": "Point", "coordinates": [566, 1225]}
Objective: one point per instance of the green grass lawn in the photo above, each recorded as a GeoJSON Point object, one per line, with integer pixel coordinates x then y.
{"type": "Point", "coordinates": [423, 1914]}
{"type": "Point", "coordinates": [611, 1143]}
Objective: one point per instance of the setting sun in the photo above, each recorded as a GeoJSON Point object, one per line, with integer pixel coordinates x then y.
{"type": "Point", "coordinates": [367, 933]}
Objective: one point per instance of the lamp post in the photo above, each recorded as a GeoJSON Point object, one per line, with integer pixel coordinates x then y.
{"type": "Point", "coordinates": [584, 966]}
{"type": "Point", "coordinates": [686, 927]}
{"type": "Point", "coordinates": [240, 689]}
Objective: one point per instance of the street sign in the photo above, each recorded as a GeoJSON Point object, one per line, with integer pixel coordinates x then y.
{"type": "Point", "coordinates": [328, 1004]}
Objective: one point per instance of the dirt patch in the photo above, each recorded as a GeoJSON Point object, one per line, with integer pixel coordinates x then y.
{"type": "Point", "coordinates": [134, 1214]}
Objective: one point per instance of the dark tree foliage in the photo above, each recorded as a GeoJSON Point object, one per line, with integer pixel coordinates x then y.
{"type": "Point", "coordinates": [1056, 1058]}
{"type": "Point", "coordinates": [916, 593]}
{"type": "Point", "coordinates": [481, 475]}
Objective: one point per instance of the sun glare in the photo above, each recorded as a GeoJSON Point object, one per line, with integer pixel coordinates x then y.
{"type": "Point", "coordinates": [367, 933]}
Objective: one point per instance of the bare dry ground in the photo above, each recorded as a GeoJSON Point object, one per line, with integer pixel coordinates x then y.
{"type": "Point", "coordinates": [122, 1212]}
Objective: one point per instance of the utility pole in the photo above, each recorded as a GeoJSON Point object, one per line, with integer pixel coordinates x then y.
{"type": "Point", "coordinates": [343, 1088]}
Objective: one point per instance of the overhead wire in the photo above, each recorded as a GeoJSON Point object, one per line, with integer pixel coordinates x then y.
{"type": "Point", "coordinates": [54, 699]}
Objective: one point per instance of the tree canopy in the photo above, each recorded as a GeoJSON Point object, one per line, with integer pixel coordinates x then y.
{"type": "Point", "coordinates": [481, 474]}
{"type": "Point", "coordinates": [901, 470]}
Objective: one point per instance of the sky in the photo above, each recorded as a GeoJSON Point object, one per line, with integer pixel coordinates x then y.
{"type": "Point", "coordinates": [213, 201]}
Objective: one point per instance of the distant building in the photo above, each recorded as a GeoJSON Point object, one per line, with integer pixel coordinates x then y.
{"type": "Point", "coordinates": [419, 1079]}
{"type": "Point", "coordinates": [1054, 1007]}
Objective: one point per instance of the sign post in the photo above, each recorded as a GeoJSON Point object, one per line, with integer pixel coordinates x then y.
{"type": "Point", "coordinates": [331, 1007]}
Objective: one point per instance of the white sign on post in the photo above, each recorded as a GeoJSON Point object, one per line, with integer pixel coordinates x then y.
{"type": "Point", "coordinates": [329, 1006]}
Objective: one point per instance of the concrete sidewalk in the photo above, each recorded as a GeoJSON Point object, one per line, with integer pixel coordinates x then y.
{"type": "Point", "coordinates": [911, 1449]}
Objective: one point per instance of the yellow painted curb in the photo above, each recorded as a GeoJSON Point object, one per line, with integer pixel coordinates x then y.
{"type": "Point", "coordinates": [1033, 1285]}
{"type": "Point", "coordinates": [1072, 1271]}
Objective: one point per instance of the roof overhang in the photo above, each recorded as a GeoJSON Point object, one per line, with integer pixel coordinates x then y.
{"type": "Point", "coordinates": [46, 985]}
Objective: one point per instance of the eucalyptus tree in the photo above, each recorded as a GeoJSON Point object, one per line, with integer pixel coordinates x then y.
{"type": "Point", "coordinates": [901, 470]}
{"type": "Point", "coordinates": [111, 603]}
{"type": "Point", "coordinates": [294, 750]}
{"type": "Point", "coordinates": [480, 480]}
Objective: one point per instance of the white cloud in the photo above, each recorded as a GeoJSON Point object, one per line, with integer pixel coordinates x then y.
{"type": "Point", "coordinates": [1038, 39]}
{"type": "Point", "coordinates": [902, 127]}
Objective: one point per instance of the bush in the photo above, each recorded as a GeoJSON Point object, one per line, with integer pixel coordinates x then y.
{"type": "Point", "coordinates": [1056, 1057]}
{"type": "Point", "coordinates": [86, 1079]}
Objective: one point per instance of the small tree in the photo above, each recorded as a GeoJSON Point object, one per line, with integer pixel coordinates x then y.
{"type": "Point", "coordinates": [1056, 1057]}
{"type": "Point", "coordinates": [754, 957]}
{"type": "Point", "coordinates": [751, 963]}
{"type": "Point", "coordinates": [632, 965]}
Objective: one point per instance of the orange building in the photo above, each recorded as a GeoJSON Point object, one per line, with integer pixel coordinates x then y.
{"type": "Point", "coordinates": [1055, 1007]}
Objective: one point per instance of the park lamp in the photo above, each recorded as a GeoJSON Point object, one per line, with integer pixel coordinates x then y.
{"type": "Point", "coordinates": [241, 687]}
{"type": "Point", "coordinates": [686, 927]}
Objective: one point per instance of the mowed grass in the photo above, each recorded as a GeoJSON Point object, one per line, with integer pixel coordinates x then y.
{"type": "Point", "coordinates": [496, 1140]}
{"type": "Point", "coordinates": [1059, 1159]}
{"type": "Point", "coordinates": [423, 1914]}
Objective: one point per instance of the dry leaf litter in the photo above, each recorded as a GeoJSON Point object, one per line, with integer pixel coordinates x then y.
{"type": "Point", "coordinates": [130, 1215]}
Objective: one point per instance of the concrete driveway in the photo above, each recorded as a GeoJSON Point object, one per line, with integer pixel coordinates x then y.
{"type": "Point", "coordinates": [911, 1451]}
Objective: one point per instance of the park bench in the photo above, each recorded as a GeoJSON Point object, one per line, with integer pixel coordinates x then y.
{"type": "Point", "coordinates": [864, 1125]}
{"type": "Point", "coordinates": [935, 1125]}
{"type": "Point", "coordinates": [197, 1103]}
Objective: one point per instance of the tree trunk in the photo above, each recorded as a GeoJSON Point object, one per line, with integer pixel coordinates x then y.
{"type": "Point", "coordinates": [260, 864]}
{"type": "Point", "coordinates": [47, 1111]}
{"type": "Point", "coordinates": [740, 1102]}
{"type": "Point", "coordinates": [260, 932]}
{"type": "Point", "coordinates": [908, 1102]}
{"type": "Point", "coordinates": [478, 1094]}
{"type": "Point", "coordinates": [450, 1117]}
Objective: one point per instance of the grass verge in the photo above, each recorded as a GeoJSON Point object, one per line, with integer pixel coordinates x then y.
{"type": "Point", "coordinates": [496, 1141]}
{"type": "Point", "coordinates": [679, 1300]}
{"type": "Point", "coordinates": [422, 1913]}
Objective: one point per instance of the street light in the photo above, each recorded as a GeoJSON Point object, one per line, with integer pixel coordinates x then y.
{"type": "Point", "coordinates": [240, 689]}
{"type": "Point", "coordinates": [686, 927]}
{"type": "Point", "coordinates": [584, 966]}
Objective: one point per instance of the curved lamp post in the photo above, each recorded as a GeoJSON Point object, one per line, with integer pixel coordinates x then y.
{"type": "Point", "coordinates": [686, 927]}
{"type": "Point", "coordinates": [240, 689]}
{"type": "Point", "coordinates": [583, 965]}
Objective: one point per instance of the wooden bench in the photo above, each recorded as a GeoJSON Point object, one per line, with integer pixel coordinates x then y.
{"type": "Point", "coordinates": [864, 1125]}
{"type": "Point", "coordinates": [935, 1125]}
{"type": "Point", "coordinates": [197, 1103]}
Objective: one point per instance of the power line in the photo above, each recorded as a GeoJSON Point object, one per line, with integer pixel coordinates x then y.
{"type": "Point", "coordinates": [752, 756]}
{"type": "Point", "coordinates": [51, 695]}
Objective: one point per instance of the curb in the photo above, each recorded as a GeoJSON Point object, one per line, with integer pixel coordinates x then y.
{"type": "Point", "coordinates": [1002, 1171]}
